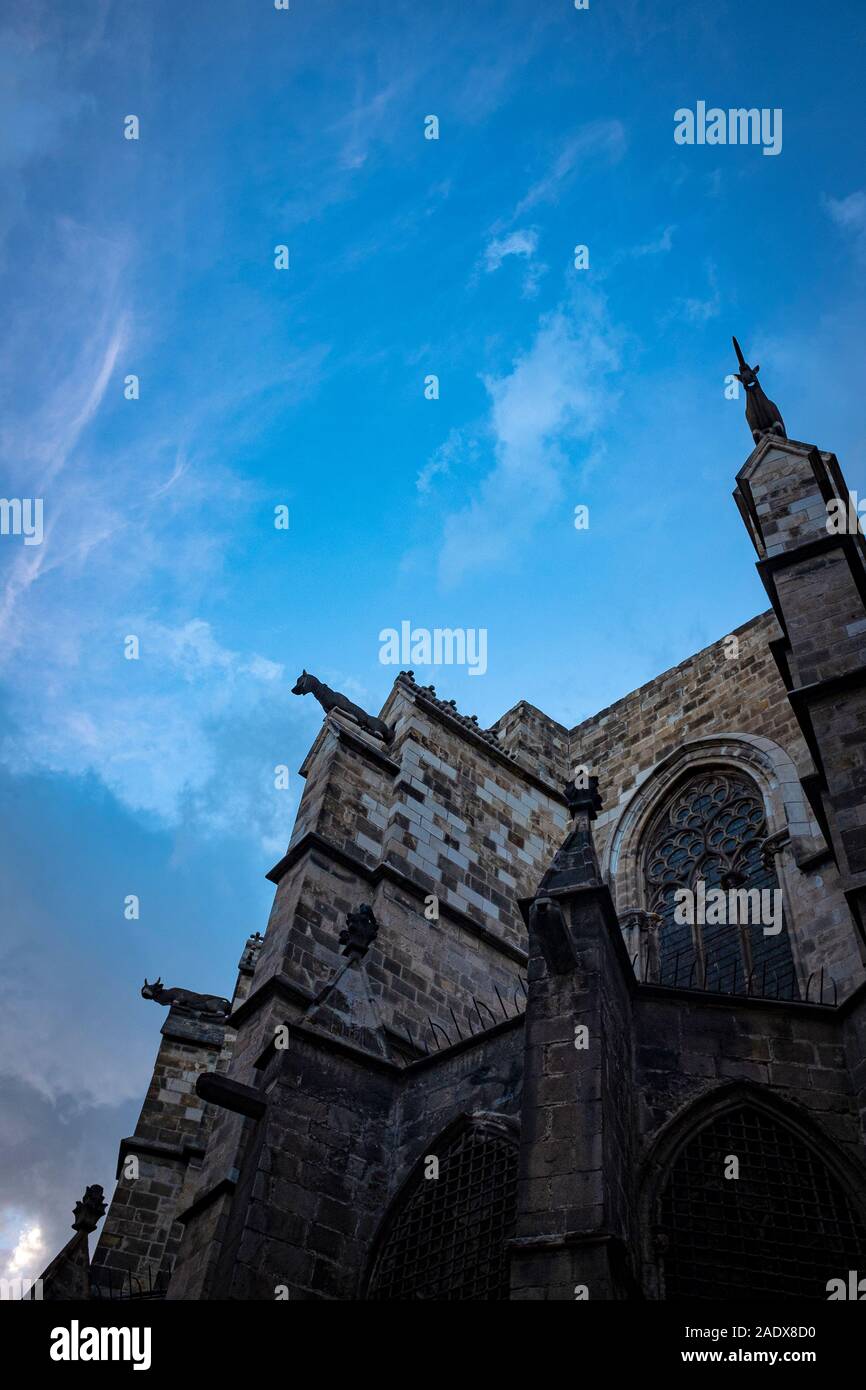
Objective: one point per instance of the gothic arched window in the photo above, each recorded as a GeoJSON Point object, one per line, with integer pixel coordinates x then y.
{"type": "Point", "coordinates": [781, 1228]}
{"type": "Point", "coordinates": [712, 829]}
{"type": "Point", "coordinates": [445, 1239]}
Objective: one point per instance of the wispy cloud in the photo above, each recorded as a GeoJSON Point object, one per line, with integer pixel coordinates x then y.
{"type": "Point", "coordinates": [656, 247]}
{"type": "Point", "coordinates": [365, 123]}
{"type": "Point", "coordinates": [521, 243]}
{"type": "Point", "coordinates": [185, 733]}
{"type": "Point", "coordinates": [694, 309]}
{"type": "Point", "coordinates": [191, 731]}
{"type": "Point", "coordinates": [141, 514]}
{"type": "Point", "coordinates": [850, 215]}
{"type": "Point", "coordinates": [601, 141]}
{"type": "Point", "coordinates": [31, 124]}
{"type": "Point", "coordinates": [37, 439]}
{"type": "Point", "coordinates": [459, 448]}
{"type": "Point", "coordinates": [557, 394]}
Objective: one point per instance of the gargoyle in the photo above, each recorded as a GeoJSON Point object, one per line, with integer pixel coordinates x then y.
{"type": "Point", "coordinates": [208, 1005]}
{"type": "Point", "coordinates": [332, 699]}
{"type": "Point", "coordinates": [360, 930]}
{"type": "Point", "coordinates": [762, 414]}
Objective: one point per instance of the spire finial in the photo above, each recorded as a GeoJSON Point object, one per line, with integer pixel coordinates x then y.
{"type": "Point", "coordinates": [581, 793]}
{"type": "Point", "coordinates": [575, 864]}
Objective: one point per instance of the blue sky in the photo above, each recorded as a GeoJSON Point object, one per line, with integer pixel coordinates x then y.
{"type": "Point", "coordinates": [305, 387]}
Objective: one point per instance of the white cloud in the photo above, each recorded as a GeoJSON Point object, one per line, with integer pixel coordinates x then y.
{"type": "Point", "coordinates": [521, 243]}
{"type": "Point", "coordinates": [83, 398]}
{"type": "Point", "coordinates": [655, 248]}
{"type": "Point", "coordinates": [140, 516]}
{"type": "Point", "coordinates": [693, 309]}
{"type": "Point", "coordinates": [699, 310]}
{"type": "Point", "coordinates": [459, 446]}
{"type": "Point", "coordinates": [28, 1256]}
{"type": "Point", "coordinates": [70, 373]}
{"type": "Point", "coordinates": [850, 214]}
{"type": "Point", "coordinates": [186, 732]}
{"type": "Point", "coordinates": [366, 122]}
{"type": "Point", "coordinates": [556, 394]}
{"type": "Point", "coordinates": [532, 279]}
{"type": "Point", "coordinates": [46, 1049]}
{"type": "Point", "coordinates": [602, 140]}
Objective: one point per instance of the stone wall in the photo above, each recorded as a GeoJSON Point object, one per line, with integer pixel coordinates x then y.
{"type": "Point", "coordinates": [312, 1188]}
{"type": "Point", "coordinates": [444, 830]}
{"type": "Point", "coordinates": [341, 1133]}
{"type": "Point", "coordinates": [816, 578]}
{"type": "Point", "coordinates": [709, 693]}
{"type": "Point", "coordinates": [603, 1117]}
{"type": "Point", "coordinates": [481, 1076]}
{"type": "Point", "coordinates": [141, 1234]}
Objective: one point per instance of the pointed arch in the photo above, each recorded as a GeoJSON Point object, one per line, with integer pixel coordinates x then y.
{"type": "Point", "coordinates": [711, 833]}
{"type": "Point", "coordinates": [771, 965]}
{"type": "Point", "coordinates": [771, 768]}
{"type": "Point", "coordinates": [444, 1238]}
{"type": "Point", "coordinates": [793, 1218]}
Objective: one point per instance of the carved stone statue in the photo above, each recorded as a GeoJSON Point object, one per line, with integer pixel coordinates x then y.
{"type": "Point", "coordinates": [251, 951]}
{"type": "Point", "coordinates": [332, 699]}
{"type": "Point", "coordinates": [360, 930]}
{"type": "Point", "coordinates": [762, 414]}
{"type": "Point", "coordinates": [207, 1005]}
{"type": "Point", "coordinates": [641, 932]}
{"type": "Point", "coordinates": [90, 1210]}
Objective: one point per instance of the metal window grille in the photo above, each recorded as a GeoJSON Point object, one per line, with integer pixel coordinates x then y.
{"type": "Point", "coordinates": [713, 829]}
{"type": "Point", "coordinates": [121, 1284]}
{"type": "Point", "coordinates": [447, 1238]}
{"type": "Point", "coordinates": [782, 1229]}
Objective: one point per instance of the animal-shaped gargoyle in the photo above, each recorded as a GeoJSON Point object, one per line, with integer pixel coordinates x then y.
{"type": "Point", "coordinates": [332, 699]}
{"type": "Point", "coordinates": [207, 1005]}
{"type": "Point", "coordinates": [762, 414]}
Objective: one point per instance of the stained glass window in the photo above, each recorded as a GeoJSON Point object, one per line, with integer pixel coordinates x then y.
{"type": "Point", "coordinates": [713, 829]}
